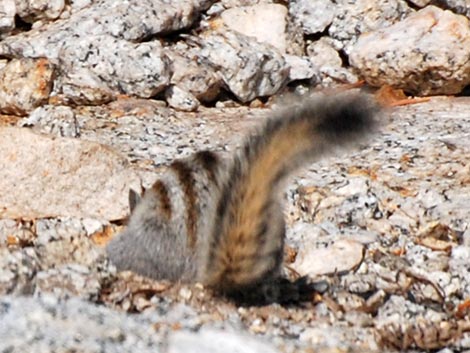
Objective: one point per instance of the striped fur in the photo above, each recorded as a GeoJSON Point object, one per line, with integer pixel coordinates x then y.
{"type": "Point", "coordinates": [220, 222]}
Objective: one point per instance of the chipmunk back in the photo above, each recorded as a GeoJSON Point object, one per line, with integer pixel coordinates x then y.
{"type": "Point", "coordinates": [219, 221]}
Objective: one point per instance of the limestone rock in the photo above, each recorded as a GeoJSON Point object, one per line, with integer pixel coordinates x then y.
{"type": "Point", "coordinates": [24, 85]}
{"type": "Point", "coordinates": [427, 53]}
{"type": "Point", "coordinates": [48, 177]}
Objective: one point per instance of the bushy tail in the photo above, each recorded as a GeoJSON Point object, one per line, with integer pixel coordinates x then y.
{"type": "Point", "coordinates": [246, 243]}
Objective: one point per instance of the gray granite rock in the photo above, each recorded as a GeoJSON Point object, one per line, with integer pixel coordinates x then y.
{"type": "Point", "coordinates": [54, 120]}
{"type": "Point", "coordinates": [131, 20]}
{"type": "Point", "coordinates": [356, 17]}
{"type": "Point", "coordinates": [313, 16]}
{"type": "Point", "coordinates": [248, 68]}
{"type": "Point", "coordinates": [91, 63]}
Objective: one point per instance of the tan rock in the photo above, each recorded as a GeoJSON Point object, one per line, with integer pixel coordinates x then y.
{"type": "Point", "coordinates": [266, 22]}
{"type": "Point", "coordinates": [43, 176]}
{"type": "Point", "coordinates": [24, 85]}
{"type": "Point", "coordinates": [342, 256]}
{"type": "Point", "coordinates": [426, 53]}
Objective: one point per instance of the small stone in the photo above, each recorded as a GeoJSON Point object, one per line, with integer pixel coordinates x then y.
{"type": "Point", "coordinates": [181, 99]}
{"type": "Point", "coordinates": [344, 255]}
{"type": "Point", "coordinates": [301, 68]}
{"type": "Point", "coordinates": [24, 85]}
{"type": "Point", "coordinates": [185, 293]}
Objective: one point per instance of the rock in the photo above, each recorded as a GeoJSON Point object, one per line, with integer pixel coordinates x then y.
{"type": "Point", "coordinates": [266, 22]}
{"type": "Point", "coordinates": [54, 120]}
{"type": "Point", "coordinates": [51, 177]}
{"type": "Point", "coordinates": [132, 20]}
{"type": "Point", "coordinates": [301, 68]}
{"type": "Point", "coordinates": [120, 66]}
{"type": "Point", "coordinates": [24, 85]}
{"type": "Point", "coordinates": [362, 16]}
{"type": "Point", "coordinates": [180, 99]}
{"type": "Point", "coordinates": [192, 75]}
{"type": "Point", "coordinates": [421, 3]}
{"type": "Point", "coordinates": [17, 269]}
{"type": "Point", "coordinates": [424, 54]}
{"type": "Point", "coordinates": [211, 340]}
{"type": "Point", "coordinates": [33, 10]}
{"type": "Point", "coordinates": [47, 324]}
{"type": "Point", "coordinates": [462, 7]}
{"type": "Point", "coordinates": [249, 69]}
{"type": "Point", "coordinates": [322, 53]}
{"type": "Point", "coordinates": [69, 280]}
{"type": "Point", "coordinates": [7, 15]}
{"type": "Point", "coordinates": [344, 255]}
{"type": "Point", "coordinates": [313, 16]}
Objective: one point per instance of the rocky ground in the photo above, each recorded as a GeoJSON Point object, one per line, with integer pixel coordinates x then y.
{"type": "Point", "coordinates": [99, 96]}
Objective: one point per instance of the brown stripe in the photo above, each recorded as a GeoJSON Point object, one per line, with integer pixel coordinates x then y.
{"type": "Point", "coordinates": [165, 203]}
{"type": "Point", "coordinates": [187, 182]}
{"type": "Point", "coordinates": [210, 162]}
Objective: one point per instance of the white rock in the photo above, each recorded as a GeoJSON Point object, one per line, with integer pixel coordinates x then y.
{"type": "Point", "coordinates": [33, 10]}
{"type": "Point", "coordinates": [266, 22]}
{"type": "Point", "coordinates": [131, 20]}
{"type": "Point", "coordinates": [427, 53]}
{"type": "Point", "coordinates": [49, 177]}
{"type": "Point", "coordinates": [322, 54]}
{"type": "Point", "coordinates": [56, 120]}
{"type": "Point", "coordinates": [312, 15]}
{"type": "Point", "coordinates": [7, 15]}
{"type": "Point", "coordinates": [343, 255]}
{"type": "Point", "coordinates": [248, 68]}
{"type": "Point", "coordinates": [301, 68]}
{"type": "Point", "coordinates": [181, 99]}
{"type": "Point", "coordinates": [211, 341]}
{"type": "Point", "coordinates": [362, 16]}
{"type": "Point", "coordinates": [191, 75]}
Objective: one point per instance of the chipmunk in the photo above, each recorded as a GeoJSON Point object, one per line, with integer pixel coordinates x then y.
{"type": "Point", "coordinates": [219, 221]}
